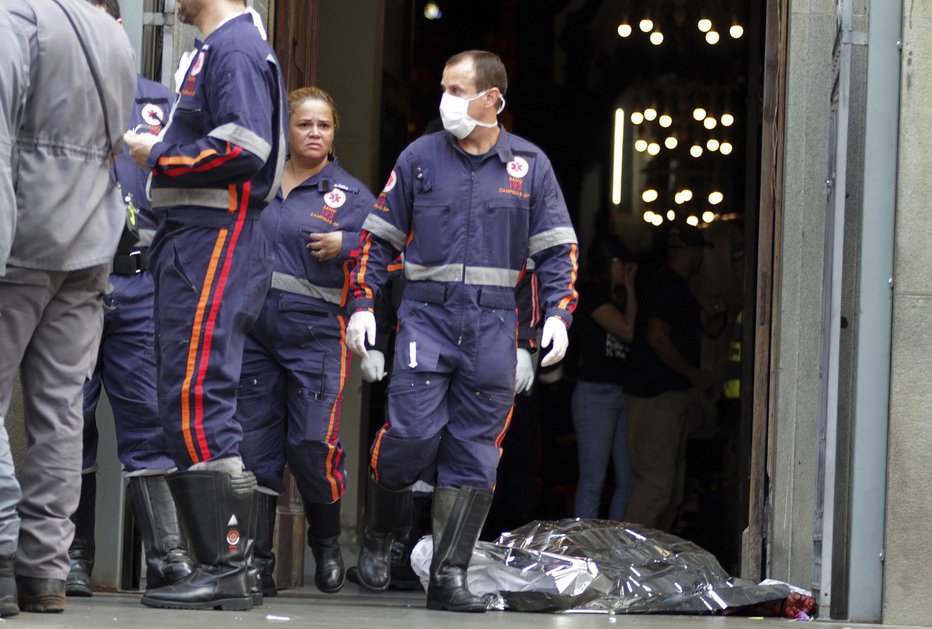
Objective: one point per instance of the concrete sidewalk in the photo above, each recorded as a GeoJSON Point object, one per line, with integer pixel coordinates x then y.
{"type": "Point", "coordinates": [351, 608]}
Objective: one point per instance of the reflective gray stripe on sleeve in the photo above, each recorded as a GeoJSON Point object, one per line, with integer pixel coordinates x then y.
{"type": "Point", "coordinates": [300, 286]}
{"type": "Point", "coordinates": [204, 197]}
{"type": "Point", "coordinates": [441, 273]}
{"type": "Point", "coordinates": [490, 276]}
{"type": "Point", "coordinates": [145, 237]}
{"type": "Point", "coordinates": [241, 136]}
{"type": "Point", "coordinates": [551, 238]}
{"type": "Point", "coordinates": [385, 230]}
{"type": "Point", "coordinates": [530, 265]}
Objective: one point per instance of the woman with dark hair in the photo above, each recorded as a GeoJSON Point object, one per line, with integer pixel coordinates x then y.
{"type": "Point", "coordinates": [604, 324]}
{"type": "Point", "coordinates": [295, 363]}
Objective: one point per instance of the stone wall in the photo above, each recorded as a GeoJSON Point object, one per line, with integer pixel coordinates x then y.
{"type": "Point", "coordinates": [908, 558]}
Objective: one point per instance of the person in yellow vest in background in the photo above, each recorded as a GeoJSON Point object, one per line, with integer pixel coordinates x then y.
{"type": "Point", "coordinates": [732, 384]}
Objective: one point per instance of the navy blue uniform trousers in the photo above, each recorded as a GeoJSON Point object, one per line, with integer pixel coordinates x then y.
{"type": "Point", "coordinates": [210, 283]}
{"type": "Point", "coordinates": [452, 386]}
{"type": "Point", "coordinates": [295, 366]}
{"type": "Point", "coordinates": [126, 367]}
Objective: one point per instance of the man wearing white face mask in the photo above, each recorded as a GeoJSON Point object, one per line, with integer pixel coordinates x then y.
{"type": "Point", "coordinates": [469, 207]}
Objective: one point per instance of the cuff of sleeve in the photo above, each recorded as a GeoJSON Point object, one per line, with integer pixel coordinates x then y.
{"type": "Point", "coordinates": [363, 303]}
{"type": "Point", "coordinates": [562, 313]}
{"type": "Point", "coordinates": [349, 247]}
{"type": "Point", "coordinates": [528, 344]}
{"type": "Point", "coordinates": [157, 150]}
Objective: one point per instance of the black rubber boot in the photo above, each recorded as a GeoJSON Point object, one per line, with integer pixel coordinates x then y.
{"type": "Point", "coordinates": [81, 552]}
{"type": "Point", "coordinates": [263, 557]}
{"type": "Point", "coordinates": [444, 499]}
{"type": "Point", "coordinates": [453, 550]}
{"type": "Point", "coordinates": [387, 512]}
{"type": "Point", "coordinates": [323, 536]}
{"type": "Point", "coordinates": [403, 576]}
{"type": "Point", "coordinates": [167, 558]}
{"type": "Point", "coordinates": [218, 513]}
{"type": "Point", "coordinates": [253, 578]}
{"type": "Point", "coordinates": [8, 597]}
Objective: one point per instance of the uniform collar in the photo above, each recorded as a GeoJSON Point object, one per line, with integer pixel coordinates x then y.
{"type": "Point", "coordinates": [324, 180]}
{"type": "Point", "coordinates": [502, 145]}
{"type": "Point", "coordinates": [230, 19]}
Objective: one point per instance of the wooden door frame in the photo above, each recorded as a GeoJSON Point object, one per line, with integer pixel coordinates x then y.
{"type": "Point", "coordinates": [289, 545]}
{"type": "Point", "coordinates": [769, 272]}
{"type": "Point", "coordinates": [292, 59]}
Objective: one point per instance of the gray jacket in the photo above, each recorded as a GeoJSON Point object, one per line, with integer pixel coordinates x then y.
{"type": "Point", "coordinates": [14, 79]}
{"type": "Point", "coordinates": [69, 211]}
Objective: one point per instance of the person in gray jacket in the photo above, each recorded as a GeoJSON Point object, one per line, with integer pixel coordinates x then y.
{"type": "Point", "coordinates": [14, 79]}
{"type": "Point", "coordinates": [69, 216]}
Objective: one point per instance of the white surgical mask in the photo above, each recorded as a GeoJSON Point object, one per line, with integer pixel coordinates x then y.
{"type": "Point", "coordinates": [454, 116]}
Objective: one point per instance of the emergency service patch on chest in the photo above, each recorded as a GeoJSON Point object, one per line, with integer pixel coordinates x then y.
{"type": "Point", "coordinates": [381, 203]}
{"type": "Point", "coordinates": [326, 214]}
{"type": "Point", "coordinates": [335, 198]}
{"type": "Point", "coordinates": [153, 115]}
{"type": "Point", "coordinates": [517, 169]}
{"type": "Point", "coordinates": [196, 66]}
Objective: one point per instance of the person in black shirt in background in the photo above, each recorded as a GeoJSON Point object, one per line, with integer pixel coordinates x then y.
{"type": "Point", "coordinates": [605, 326]}
{"type": "Point", "coordinates": [664, 364]}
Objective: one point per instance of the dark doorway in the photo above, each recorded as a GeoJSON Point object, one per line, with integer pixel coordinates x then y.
{"type": "Point", "coordinates": [592, 81]}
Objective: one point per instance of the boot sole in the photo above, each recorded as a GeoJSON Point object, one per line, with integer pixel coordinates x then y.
{"type": "Point", "coordinates": [335, 589]}
{"type": "Point", "coordinates": [226, 604]}
{"type": "Point", "coordinates": [42, 604]}
{"type": "Point", "coordinates": [373, 588]}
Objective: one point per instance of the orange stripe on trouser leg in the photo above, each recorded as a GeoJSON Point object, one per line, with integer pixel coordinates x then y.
{"type": "Point", "coordinates": [501, 435]}
{"type": "Point", "coordinates": [216, 301]}
{"type": "Point", "coordinates": [374, 459]}
{"type": "Point", "coordinates": [334, 426]}
{"type": "Point", "coordinates": [194, 344]}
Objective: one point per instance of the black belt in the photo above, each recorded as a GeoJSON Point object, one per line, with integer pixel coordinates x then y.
{"type": "Point", "coordinates": [131, 263]}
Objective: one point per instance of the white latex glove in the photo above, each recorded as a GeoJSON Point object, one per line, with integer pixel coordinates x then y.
{"type": "Point", "coordinates": [373, 366]}
{"type": "Point", "coordinates": [524, 372]}
{"type": "Point", "coordinates": [555, 334]}
{"type": "Point", "coordinates": [361, 328]}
